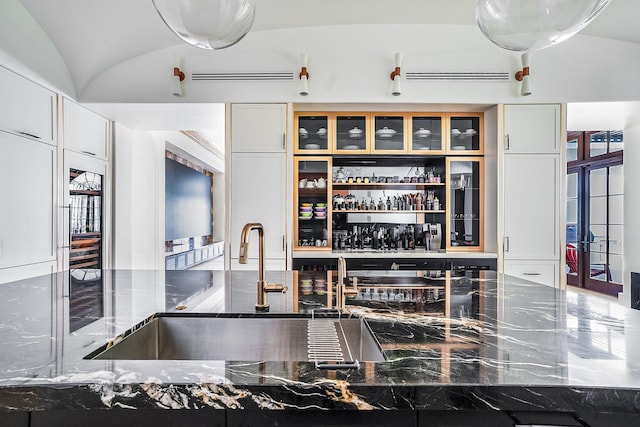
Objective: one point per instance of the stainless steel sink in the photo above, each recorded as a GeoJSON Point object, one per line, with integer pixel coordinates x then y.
{"type": "Point", "coordinates": [171, 336]}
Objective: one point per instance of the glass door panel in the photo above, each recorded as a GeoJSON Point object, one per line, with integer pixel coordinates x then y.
{"type": "Point", "coordinates": [389, 133]}
{"type": "Point", "coordinates": [464, 205]}
{"type": "Point", "coordinates": [426, 134]}
{"type": "Point", "coordinates": [574, 247]}
{"type": "Point", "coordinates": [312, 133]}
{"type": "Point", "coordinates": [312, 210]}
{"type": "Point", "coordinates": [351, 133]}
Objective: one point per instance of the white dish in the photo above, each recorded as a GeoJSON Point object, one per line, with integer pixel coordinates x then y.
{"type": "Point", "coordinates": [385, 132]}
{"type": "Point", "coordinates": [470, 132]}
{"type": "Point", "coordinates": [350, 147]}
{"type": "Point", "coordinates": [455, 132]}
{"type": "Point", "coordinates": [302, 131]}
{"type": "Point", "coordinates": [355, 131]}
{"type": "Point", "coordinates": [322, 132]}
{"type": "Point", "coordinates": [311, 146]}
{"type": "Point", "coordinates": [460, 147]}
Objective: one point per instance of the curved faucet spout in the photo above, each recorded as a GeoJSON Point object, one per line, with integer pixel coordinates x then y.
{"type": "Point", "coordinates": [263, 286]}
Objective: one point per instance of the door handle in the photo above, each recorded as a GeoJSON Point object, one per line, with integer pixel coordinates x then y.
{"type": "Point", "coordinates": [506, 243]}
{"type": "Point", "coordinates": [284, 141]}
{"type": "Point", "coordinates": [532, 274]}
{"type": "Point", "coordinates": [506, 142]}
{"type": "Point", "coordinates": [283, 244]}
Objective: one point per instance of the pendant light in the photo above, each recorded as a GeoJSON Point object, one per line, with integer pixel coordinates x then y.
{"type": "Point", "coordinates": [207, 24]}
{"type": "Point", "coordinates": [526, 25]}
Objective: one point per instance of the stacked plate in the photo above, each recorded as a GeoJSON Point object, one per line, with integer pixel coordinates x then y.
{"type": "Point", "coordinates": [306, 211]}
{"type": "Point", "coordinates": [320, 210]}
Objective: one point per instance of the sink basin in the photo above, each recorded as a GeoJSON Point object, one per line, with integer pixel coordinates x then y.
{"type": "Point", "coordinates": [328, 340]}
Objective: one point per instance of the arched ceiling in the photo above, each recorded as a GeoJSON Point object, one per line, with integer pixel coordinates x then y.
{"type": "Point", "coordinates": [95, 35]}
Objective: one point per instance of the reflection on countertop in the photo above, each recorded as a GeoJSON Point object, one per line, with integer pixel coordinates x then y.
{"type": "Point", "coordinates": [466, 340]}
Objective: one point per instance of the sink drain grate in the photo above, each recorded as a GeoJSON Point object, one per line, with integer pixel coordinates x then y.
{"type": "Point", "coordinates": [323, 343]}
{"type": "Point", "coordinates": [327, 345]}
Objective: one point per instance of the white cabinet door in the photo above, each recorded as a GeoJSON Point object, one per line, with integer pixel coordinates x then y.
{"type": "Point", "coordinates": [545, 272]}
{"type": "Point", "coordinates": [532, 128]}
{"type": "Point", "coordinates": [84, 131]}
{"type": "Point", "coordinates": [258, 128]}
{"type": "Point", "coordinates": [26, 108]}
{"type": "Point", "coordinates": [27, 200]}
{"type": "Point", "coordinates": [258, 194]}
{"type": "Point", "coordinates": [531, 206]}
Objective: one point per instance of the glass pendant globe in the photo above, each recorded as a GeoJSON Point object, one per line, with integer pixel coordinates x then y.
{"type": "Point", "coordinates": [524, 25]}
{"type": "Point", "coordinates": [207, 24]}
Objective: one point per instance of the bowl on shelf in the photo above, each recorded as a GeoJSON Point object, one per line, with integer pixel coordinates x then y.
{"type": "Point", "coordinates": [321, 205]}
{"type": "Point", "coordinates": [305, 214]}
{"type": "Point", "coordinates": [306, 208]}
{"type": "Point", "coordinates": [356, 131]}
{"type": "Point", "coordinates": [319, 209]}
{"type": "Point", "coordinates": [312, 146]}
{"type": "Point", "coordinates": [306, 205]}
{"type": "Point", "coordinates": [422, 133]}
{"type": "Point", "coordinates": [385, 132]}
{"type": "Point", "coordinates": [322, 133]}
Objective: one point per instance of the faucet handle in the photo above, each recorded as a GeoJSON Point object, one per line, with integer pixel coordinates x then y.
{"type": "Point", "coordinates": [275, 287]}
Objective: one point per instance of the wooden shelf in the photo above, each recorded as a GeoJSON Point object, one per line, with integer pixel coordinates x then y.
{"type": "Point", "coordinates": [388, 184]}
{"type": "Point", "coordinates": [391, 211]}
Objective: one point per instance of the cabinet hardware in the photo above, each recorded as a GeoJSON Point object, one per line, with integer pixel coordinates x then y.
{"type": "Point", "coordinates": [506, 142]}
{"type": "Point", "coordinates": [29, 134]}
{"type": "Point", "coordinates": [506, 243]}
{"type": "Point", "coordinates": [284, 141]}
{"type": "Point", "coordinates": [89, 153]}
{"type": "Point", "coordinates": [53, 114]}
{"type": "Point", "coordinates": [532, 274]}
{"type": "Point", "coordinates": [283, 244]}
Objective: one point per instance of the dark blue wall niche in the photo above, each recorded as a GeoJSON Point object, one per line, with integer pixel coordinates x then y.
{"type": "Point", "coordinates": [188, 202]}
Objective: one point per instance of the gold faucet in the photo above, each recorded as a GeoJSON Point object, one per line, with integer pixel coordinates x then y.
{"type": "Point", "coordinates": [263, 286]}
{"type": "Point", "coordinates": [342, 291]}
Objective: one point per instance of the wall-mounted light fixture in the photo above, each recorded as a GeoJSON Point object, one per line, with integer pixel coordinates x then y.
{"type": "Point", "coordinates": [178, 77]}
{"type": "Point", "coordinates": [304, 75]}
{"type": "Point", "coordinates": [396, 75]}
{"type": "Point", "coordinates": [524, 75]}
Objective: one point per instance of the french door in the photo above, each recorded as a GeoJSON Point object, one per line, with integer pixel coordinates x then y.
{"type": "Point", "coordinates": [594, 251]}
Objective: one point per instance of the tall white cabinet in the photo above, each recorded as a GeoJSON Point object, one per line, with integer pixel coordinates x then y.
{"type": "Point", "coordinates": [256, 173]}
{"type": "Point", "coordinates": [531, 188]}
{"type": "Point", "coordinates": [28, 170]}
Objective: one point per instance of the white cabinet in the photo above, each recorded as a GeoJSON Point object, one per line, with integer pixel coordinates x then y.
{"type": "Point", "coordinates": [258, 194]}
{"type": "Point", "coordinates": [26, 108]}
{"type": "Point", "coordinates": [27, 195]}
{"type": "Point", "coordinates": [258, 128]}
{"type": "Point", "coordinates": [531, 206]}
{"type": "Point", "coordinates": [532, 128]}
{"type": "Point", "coordinates": [530, 191]}
{"type": "Point", "coordinates": [84, 131]}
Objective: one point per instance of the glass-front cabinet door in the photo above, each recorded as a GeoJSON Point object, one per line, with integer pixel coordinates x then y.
{"type": "Point", "coordinates": [352, 132]}
{"type": "Point", "coordinates": [465, 133]}
{"type": "Point", "coordinates": [425, 133]}
{"type": "Point", "coordinates": [312, 133]}
{"type": "Point", "coordinates": [311, 202]}
{"type": "Point", "coordinates": [389, 133]}
{"type": "Point", "coordinates": [465, 207]}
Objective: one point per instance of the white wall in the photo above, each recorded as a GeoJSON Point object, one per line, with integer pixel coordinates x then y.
{"type": "Point", "coordinates": [631, 207]}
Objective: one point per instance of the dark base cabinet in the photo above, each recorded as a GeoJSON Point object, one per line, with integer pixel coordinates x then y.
{"type": "Point", "coordinates": [464, 418]}
{"type": "Point", "coordinates": [127, 417]}
{"type": "Point", "coordinates": [311, 418]}
{"type": "Point", "coordinates": [14, 419]}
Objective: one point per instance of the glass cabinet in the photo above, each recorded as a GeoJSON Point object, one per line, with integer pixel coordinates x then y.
{"type": "Point", "coordinates": [389, 133]}
{"type": "Point", "coordinates": [426, 133]}
{"type": "Point", "coordinates": [464, 208]}
{"type": "Point", "coordinates": [352, 131]}
{"type": "Point", "coordinates": [465, 133]}
{"type": "Point", "coordinates": [311, 203]}
{"type": "Point", "coordinates": [313, 131]}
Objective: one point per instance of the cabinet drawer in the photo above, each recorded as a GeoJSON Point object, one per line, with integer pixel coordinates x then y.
{"type": "Point", "coordinates": [544, 272]}
{"type": "Point", "coordinates": [26, 108]}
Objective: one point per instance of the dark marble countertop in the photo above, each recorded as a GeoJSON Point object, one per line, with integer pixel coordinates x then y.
{"type": "Point", "coordinates": [473, 340]}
